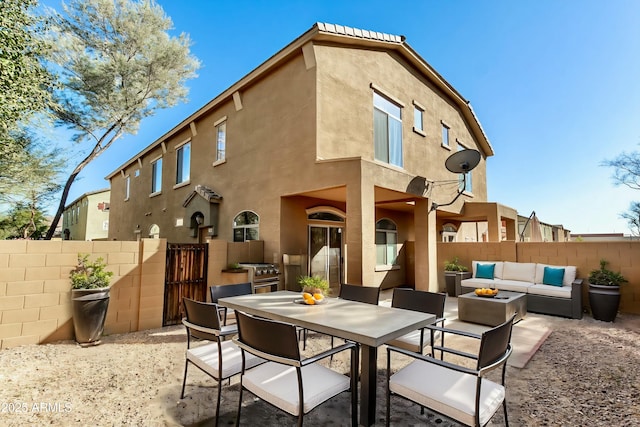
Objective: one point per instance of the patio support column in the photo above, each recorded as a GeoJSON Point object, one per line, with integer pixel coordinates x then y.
{"type": "Point", "coordinates": [360, 244]}
{"type": "Point", "coordinates": [493, 227]}
{"type": "Point", "coordinates": [426, 271]}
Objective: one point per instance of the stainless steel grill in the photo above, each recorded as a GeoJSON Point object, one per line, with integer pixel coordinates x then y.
{"type": "Point", "coordinates": [263, 275]}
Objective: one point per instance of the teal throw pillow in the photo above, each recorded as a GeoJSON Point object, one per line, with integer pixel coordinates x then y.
{"type": "Point", "coordinates": [553, 276]}
{"type": "Point", "coordinates": [485, 271]}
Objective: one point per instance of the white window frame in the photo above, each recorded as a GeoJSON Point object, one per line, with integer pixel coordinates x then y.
{"type": "Point", "coordinates": [245, 227]}
{"type": "Point", "coordinates": [155, 169]}
{"type": "Point", "coordinates": [127, 187]}
{"type": "Point", "coordinates": [383, 105]}
{"type": "Point", "coordinates": [418, 118]}
{"type": "Point", "coordinates": [446, 135]}
{"type": "Point", "coordinates": [221, 140]}
{"type": "Point", "coordinates": [185, 179]}
{"type": "Point", "coordinates": [390, 245]}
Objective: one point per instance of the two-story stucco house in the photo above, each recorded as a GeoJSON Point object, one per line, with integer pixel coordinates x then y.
{"type": "Point", "coordinates": [87, 217]}
{"type": "Point", "coordinates": [333, 148]}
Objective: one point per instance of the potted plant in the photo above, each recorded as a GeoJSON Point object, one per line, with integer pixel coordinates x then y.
{"type": "Point", "coordinates": [454, 272]}
{"type": "Point", "coordinates": [313, 285]}
{"type": "Point", "coordinates": [604, 292]}
{"type": "Point", "coordinates": [90, 299]}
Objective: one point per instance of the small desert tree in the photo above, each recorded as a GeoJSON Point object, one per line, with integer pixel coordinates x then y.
{"type": "Point", "coordinates": [118, 65]}
{"type": "Point", "coordinates": [31, 185]}
{"type": "Point", "coordinates": [627, 172]}
{"type": "Point", "coordinates": [25, 86]}
{"type": "Point", "coordinates": [24, 81]}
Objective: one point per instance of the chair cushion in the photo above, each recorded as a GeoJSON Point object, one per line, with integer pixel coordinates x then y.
{"type": "Point", "coordinates": [278, 385]}
{"type": "Point", "coordinates": [447, 391]}
{"type": "Point", "coordinates": [205, 357]}
{"type": "Point", "coordinates": [410, 341]}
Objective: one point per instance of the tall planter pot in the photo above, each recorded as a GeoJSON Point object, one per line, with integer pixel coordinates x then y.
{"type": "Point", "coordinates": [452, 279]}
{"type": "Point", "coordinates": [604, 301]}
{"type": "Point", "coordinates": [89, 314]}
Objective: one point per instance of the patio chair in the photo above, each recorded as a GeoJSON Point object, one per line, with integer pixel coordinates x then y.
{"type": "Point", "coordinates": [457, 392]}
{"type": "Point", "coordinates": [366, 294]}
{"type": "Point", "coordinates": [425, 302]}
{"type": "Point", "coordinates": [215, 357]}
{"type": "Point", "coordinates": [223, 291]}
{"type": "Point", "coordinates": [287, 381]}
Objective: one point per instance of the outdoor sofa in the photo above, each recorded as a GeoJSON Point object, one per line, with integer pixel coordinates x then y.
{"type": "Point", "coordinates": [550, 289]}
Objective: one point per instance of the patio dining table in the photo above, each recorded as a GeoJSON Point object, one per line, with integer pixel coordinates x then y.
{"type": "Point", "coordinates": [370, 325]}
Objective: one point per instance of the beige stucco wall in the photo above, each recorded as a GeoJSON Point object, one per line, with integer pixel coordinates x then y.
{"type": "Point", "coordinates": [307, 125]}
{"type": "Point", "coordinates": [35, 290]}
{"type": "Point", "coordinates": [586, 256]}
{"type": "Point", "coordinates": [91, 219]}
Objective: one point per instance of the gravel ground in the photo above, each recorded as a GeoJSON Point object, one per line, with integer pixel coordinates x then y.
{"type": "Point", "coordinates": [585, 374]}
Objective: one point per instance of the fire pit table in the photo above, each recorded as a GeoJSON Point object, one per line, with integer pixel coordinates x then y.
{"type": "Point", "coordinates": [492, 311]}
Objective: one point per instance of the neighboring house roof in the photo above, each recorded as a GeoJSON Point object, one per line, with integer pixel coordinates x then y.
{"type": "Point", "coordinates": [342, 35]}
{"type": "Point", "coordinates": [87, 194]}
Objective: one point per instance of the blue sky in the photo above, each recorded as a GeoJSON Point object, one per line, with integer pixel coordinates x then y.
{"type": "Point", "coordinates": [555, 84]}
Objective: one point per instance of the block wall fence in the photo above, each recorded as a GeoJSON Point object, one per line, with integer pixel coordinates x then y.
{"type": "Point", "coordinates": [35, 289]}
{"type": "Point", "coordinates": [622, 256]}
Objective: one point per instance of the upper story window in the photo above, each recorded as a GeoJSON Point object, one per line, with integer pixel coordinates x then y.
{"type": "Point", "coordinates": [127, 187]}
{"type": "Point", "coordinates": [387, 130]}
{"type": "Point", "coordinates": [445, 135]}
{"type": "Point", "coordinates": [221, 139]}
{"type": "Point", "coordinates": [156, 176]}
{"type": "Point", "coordinates": [183, 166]}
{"type": "Point", "coordinates": [468, 184]}
{"type": "Point", "coordinates": [418, 118]}
{"type": "Point", "coordinates": [386, 242]}
{"type": "Point", "coordinates": [246, 226]}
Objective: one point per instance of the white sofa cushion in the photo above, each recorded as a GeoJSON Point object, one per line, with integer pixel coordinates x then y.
{"type": "Point", "coordinates": [569, 273]}
{"type": "Point", "coordinates": [550, 290]}
{"type": "Point", "coordinates": [522, 271]}
{"type": "Point", "coordinates": [497, 270]}
{"type": "Point", "coordinates": [478, 283]}
{"type": "Point", "coordinates": [449, 392]}
{"type": "Point", "coordinates": [503, 285]}
{"type": "Point", "coordinates": [513, 285]}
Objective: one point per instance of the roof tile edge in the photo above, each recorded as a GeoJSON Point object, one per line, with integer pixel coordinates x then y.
{"type": "Point", "coordinates": [358, 33]}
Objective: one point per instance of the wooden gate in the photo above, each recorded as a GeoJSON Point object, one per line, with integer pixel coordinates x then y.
{"type": "Point", "coordinates": [185, 276]}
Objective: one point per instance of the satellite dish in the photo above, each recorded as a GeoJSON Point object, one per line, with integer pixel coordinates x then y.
{"type": "Point", "coordinates": [463, 161]}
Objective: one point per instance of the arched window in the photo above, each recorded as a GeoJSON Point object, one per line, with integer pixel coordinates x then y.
{"type": "Point", "coordinates": [246, 226]}
{"type": "Point", "coordinates": [449, 232]}
{"type": "Point", "coordinates": [325, 216]}
{"type": "Point", "coordinates": [386, 242]}
{"type": "Point", "coordinates": [154, 231]}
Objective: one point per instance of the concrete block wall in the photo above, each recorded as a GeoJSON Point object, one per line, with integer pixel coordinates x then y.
{"type": "Point", "coordinates": [35, 289]}
{"type": "Point", "coordinates": [622, 256]}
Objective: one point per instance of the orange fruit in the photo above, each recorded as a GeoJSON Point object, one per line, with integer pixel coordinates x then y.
{"type": "Point", "coordinates": [306, 295]}
{"type": "Point", "coordinates": [310, 301]}
{"type": "Point", "coordinates": [318, 296]}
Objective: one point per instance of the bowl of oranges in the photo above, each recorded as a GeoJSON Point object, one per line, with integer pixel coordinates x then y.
{"type": "Point", "coordinates": [312, 299]}
{"type": "Point", "coordinates": [486, 292]}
